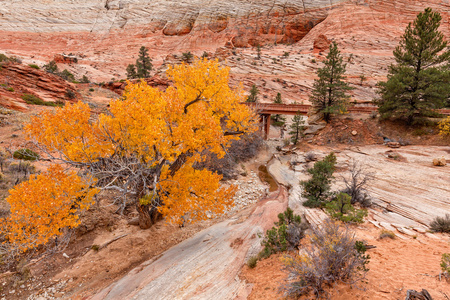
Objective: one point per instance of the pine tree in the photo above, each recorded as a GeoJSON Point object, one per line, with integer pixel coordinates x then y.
{"type": "Point", "coordinates": [419, 81]}
{"type": "Point", "coordinates": [253, 97]}
{"type": "Point", "coordinates": [143, 63]}
{"type": "Point", "coordinates": [131, 72]}
{"type": "Point", "coordinates": [329, 90]}
{"type": "Point", "coordinates": [297, 128]}
{"type": "Point", "coordinates": [278, 119]}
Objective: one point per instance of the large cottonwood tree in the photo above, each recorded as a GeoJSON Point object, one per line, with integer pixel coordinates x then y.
{"type": "Point", "coordinates": [146, 146]}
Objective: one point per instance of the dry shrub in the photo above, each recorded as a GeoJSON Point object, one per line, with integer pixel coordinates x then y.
{"type": "Point", "coordinates": [356, 184]}
{"type": "Point", "coordinates": [387, 234]}
{"type": "Point", "coordinates": [240, 150]}
{"type": "Point", "coordinates": [441, 224]}
{"type": "Point", "coordinates": [333, 256]}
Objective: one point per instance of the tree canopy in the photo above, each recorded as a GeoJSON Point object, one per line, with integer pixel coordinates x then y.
{"type": "Point", "coordinates": [329, 90]}
{"type": "Point", "coordinates": [146, 146]}
{"type": "Point", "coordinates": [419, 81]}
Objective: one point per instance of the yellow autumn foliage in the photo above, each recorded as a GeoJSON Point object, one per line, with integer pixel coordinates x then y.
{"type": "Point", "coordinates": [444, 127]}
{"type": "Point", "coordinates": [45, 204]}
{"type": "Point", "coordinates": [144, 132]}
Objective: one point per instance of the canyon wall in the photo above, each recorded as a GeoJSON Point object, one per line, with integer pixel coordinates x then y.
{"type": "Point", "coordinates": [105, 35]}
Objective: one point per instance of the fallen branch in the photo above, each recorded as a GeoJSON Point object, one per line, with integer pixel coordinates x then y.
{"type": "Point", "coordinates": [6, 274]}
{"type": "Point", "coordinates": [111, 241]}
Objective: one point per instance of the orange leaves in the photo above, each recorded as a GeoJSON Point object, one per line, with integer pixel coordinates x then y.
{"type": "Point", "coordinates": [196, 192]}
{"type": "Point", "coordinates": [134, 145]}
{"type": "Point", "coordinates": [44, 205]}
{"type": "Point", "coordinates": [68, 131]}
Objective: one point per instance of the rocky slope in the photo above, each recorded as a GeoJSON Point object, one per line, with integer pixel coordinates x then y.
{"type": "Point", "coordinates": [106, 36]}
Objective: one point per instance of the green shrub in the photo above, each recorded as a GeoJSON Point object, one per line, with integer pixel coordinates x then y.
{"type": "Point", "coordinates": [445, 263]}
{"type": "Point", "coordinates": [252, 261]}
{"type": "Point", "coordinates": [441, 224]}
{"type": "Point", "coordinates": [342, 209]}
{"type": "Point", "coordinates": [333, 256]}
{"type": "Point", "coordinates": [70, 94]}
{"type": "Point", "coordinates": [95, 247]}
{"type": "Point", "coordinates": [34, 66]}
{"type": "Point", "coordinates": [51, 67]}
{"type": "Point", "coordinates": [187, 57]}
{"type": "Point", "coordinates": [317, 189]}
{"type": "Point", "coordinates": [286, 234]}
{"type": "Point", "coordinates": [10, 89]}
{"type": "Point", "coordinates": [25, 154]}
{"type": "Point", "coordinates": [32, 99]}
{"type": "Point", "coordinates": [3, 57]}
{"type": "Point", "coordinates": [84, 79]}
{"type": "Point", "coordinates": [66, 75]}
{"type": "Point", "coordinates": [91, 89]}
{"type": "Point", "coordinates": [387, 234]}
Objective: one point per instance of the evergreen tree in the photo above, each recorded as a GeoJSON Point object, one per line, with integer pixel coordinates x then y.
{"type": "Point", "coordinates": [297, 128]}
{"type": "Point", "coordinates": [329, 90]}
{"type": "Point", "coordinates": [131, 72]}
{"type": "Point", "coordinates": [317, 189]}
{"type": "Point", "coordinates": [143, 63]}
{"type": "Point", "coordinates": [419, 81]}
{"type": "Point", "coordinates": [278, 119]}
{"type": "Point", "coordinates": [253, 97]}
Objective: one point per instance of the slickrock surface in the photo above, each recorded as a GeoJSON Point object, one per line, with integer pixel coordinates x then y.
{"type": "Point", "coordinates": [407, 195]}
{"type": "Point", "coordinates": [106, 36]}
{"type": "Point", "coordinates": [205, 266]}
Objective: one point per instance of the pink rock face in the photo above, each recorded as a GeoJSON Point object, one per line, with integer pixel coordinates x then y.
{"type": "Point", "coordinates": [107, 37]}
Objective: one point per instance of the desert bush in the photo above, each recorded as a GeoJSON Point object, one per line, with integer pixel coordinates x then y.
{"type": "Point", "coordinates": [445, 264]}
{"type": "Point", "coordinates": [34, 66]}
{"type": "Point", "coordinates": [356, 184]}
{"type": "Point", "coordinates": [70, 94]}
{"type": "Point", "coordinates": [333, 256]}
{"type": "Point", "coordinates": [441, 224]}
{"type": "Point", "coordinates": [66, 75]}
{"type": "Point", "coordinates": [444, 127]}
{"type": "Point", "coordinates": [317, 189]}
{"type": "Point", "coordinates": [25, 154]}
{"type": "Point", "coordinates": [51, 67]}
{"type": "Point", "coordinates": [342, 209]}
{"type": "Point", "coordinates": [286, 234]}
{"type": "Point", "coordinates": [252, 261]}
{"type": "Point", "coordinates": [387, 234]}
{"type": "Point", "coordinates": [32, 99]}
{"type": "Point", "coordinates": [10, 89]}
{"type": "Point", "coordinates": [3, 57]}
{"type": "Point", "coordinates": [187, 57]}
{"type": "Point", "coordinates": [84, 79]}
{"type": "Point", "coordinates": [240, 151]}
{"type": "Point", "coordinates": [91, 89]}
{"type": "Point", "coordinates": [310, 156]}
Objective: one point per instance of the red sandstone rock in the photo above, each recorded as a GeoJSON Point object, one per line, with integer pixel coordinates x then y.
{"type": "Point", "coordinates": [26, 80]}
{"type": "Point", "coordinates": [321, 43]}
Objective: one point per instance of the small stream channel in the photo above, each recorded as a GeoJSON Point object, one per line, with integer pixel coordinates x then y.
{"type": "Point", "coordinates": [265, 176]}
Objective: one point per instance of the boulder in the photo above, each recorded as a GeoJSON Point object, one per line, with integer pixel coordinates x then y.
{"type": "Point", "coordinates": [393, 144]}
{"type": "Point", "coordinates": [321, 43]}
{"type": "Point", "coordinates": [439, 161]}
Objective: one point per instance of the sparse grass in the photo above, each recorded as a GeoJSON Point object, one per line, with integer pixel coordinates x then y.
{"type": "Point", "coordinates": [10, 89]}
{"type": "Point", "coordinates": [387, 234]}
{"type": "Point", "coordinates": [441, 224]}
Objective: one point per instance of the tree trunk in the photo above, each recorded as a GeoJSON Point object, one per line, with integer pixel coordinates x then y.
{"type": "Point", "coordinates": [145, 220]}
